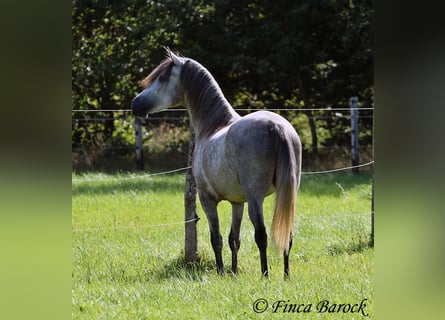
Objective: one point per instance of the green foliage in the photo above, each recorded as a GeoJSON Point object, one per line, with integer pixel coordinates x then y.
{"type": "Point", "coordinates": [264, 54]}
{"type": "Point", "coordinates": [139, 273]}
{"type": "Point", "coordinates": [167, 137]}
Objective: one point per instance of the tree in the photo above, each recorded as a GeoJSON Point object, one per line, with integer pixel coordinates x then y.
{"type": "Point", "coordinates": [285, 54]}
{"type": "Point", "coordinates": [114, 43]}
{"type": "Point", "coordinates": [264, 54]}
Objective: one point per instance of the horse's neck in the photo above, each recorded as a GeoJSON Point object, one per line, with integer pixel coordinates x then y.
{"type": "Point", "coordinates": [209, 110]}
{"type": "Point", "coordinates": [211, 119]}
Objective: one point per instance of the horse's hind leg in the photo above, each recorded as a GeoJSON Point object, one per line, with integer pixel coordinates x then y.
{"type": "Point", "coordinates": [209, 207]}
{"type": "Point", "coordinates": [286, 257]}
{"type": "Point", "coordinates": [234, 237]}
{"type": "Point", "coordinates": [256, 216]}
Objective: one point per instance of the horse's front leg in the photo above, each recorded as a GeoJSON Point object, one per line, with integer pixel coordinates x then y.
{"type": "Point", "coordinates": [209, 206]}
{"type": "Point", "coordinates": [234, 237]}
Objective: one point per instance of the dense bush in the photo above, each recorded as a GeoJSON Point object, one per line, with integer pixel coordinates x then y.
{"type": "Point", "coordinates": [264, 54]}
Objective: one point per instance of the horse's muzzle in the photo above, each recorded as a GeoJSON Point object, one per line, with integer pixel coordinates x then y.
{"type": "Point", "coordinates": [139, 107]}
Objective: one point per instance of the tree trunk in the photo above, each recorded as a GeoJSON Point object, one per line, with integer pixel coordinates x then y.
{"type": "Point", "coordinates": [314, 144]}
{"type": "Point", "coordinates": [109, 127]}
{"type": "Point", "coordinates": [310, 116]}
{"type": "Point", "coordinates": [107, 104]}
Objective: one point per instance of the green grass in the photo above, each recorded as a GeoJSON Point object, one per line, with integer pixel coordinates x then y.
{"type": "Point", "coordinates": [127, 266]}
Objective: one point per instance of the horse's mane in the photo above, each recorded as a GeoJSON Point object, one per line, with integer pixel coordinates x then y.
{"type": "Point", "coordinates": [165, 65]}
{"type": "Point", "coordinates": [205, 98]}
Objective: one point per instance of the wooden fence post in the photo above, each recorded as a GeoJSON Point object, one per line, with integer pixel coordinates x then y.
{"type": "Point", "coordinates": [191, 239]}
{"type": "Point", "coordinates": [139, 154]}
{"type": "Point", "coordinates": [353, 102]}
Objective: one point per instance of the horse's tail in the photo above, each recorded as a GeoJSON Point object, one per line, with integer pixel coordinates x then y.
{"type": "Point", "coordinates": [287, 178]}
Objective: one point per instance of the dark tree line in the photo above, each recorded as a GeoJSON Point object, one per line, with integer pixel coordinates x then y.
{"type": "Point", "coordinates": [264, 54]}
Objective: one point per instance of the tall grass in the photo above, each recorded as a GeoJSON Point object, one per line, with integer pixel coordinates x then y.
{"type": "Point", "coordinates": [128, 253]}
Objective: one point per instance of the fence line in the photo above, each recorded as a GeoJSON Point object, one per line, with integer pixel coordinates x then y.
{"type": "Point", "coordinates": [336, 216]}
{"type": "Point", "coordinates": [339, 169]}
{"type": "Point", "coordinates": [127, 147]}
{"type": "Point", "coordinates": [134, 177]}
{"type": "Point", "coordinates": [189, 167]}
{"type": "Point", "coordinates": [74, 120]}
{"type": "Point", "coordinates": [197, 219]}
{"type": "Point", "coordinates": [236, 109]}
{"type": "Point", "coordinates": [136, 227]}
{"type": "Point", "coordinates": [124, 117]}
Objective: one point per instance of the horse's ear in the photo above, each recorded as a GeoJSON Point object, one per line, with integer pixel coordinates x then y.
{"type": "Point", "coordinates": [177, 60]}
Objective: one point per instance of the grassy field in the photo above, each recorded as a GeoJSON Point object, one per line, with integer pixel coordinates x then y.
{"type": "Point", "coordinates": [128, 254]}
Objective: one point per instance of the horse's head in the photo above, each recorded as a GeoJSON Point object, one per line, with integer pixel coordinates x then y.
{"type": "Point", "coordinates": [161, 87]}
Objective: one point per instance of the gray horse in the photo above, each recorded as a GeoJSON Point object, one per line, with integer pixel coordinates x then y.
{"type": "Point", "coordinates": [238, 159]}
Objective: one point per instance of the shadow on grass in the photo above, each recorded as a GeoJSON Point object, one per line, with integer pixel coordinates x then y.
{"type": "Point", "coordinates": [332, 184]}
{"type": "Point", "coordinates": [172, 184]}
{"type": "Point", "coordinates": [356, 246]}
{"type": "Point", "coordinates": [180, 269]}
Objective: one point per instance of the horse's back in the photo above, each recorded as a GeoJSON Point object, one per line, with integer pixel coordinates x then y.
{"type": "Point", "coordinates": [257, 132]}
{"type": "Point", "coordinates": [254, 141]}
{"type": "Point", "coordinates": [240, 161]}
